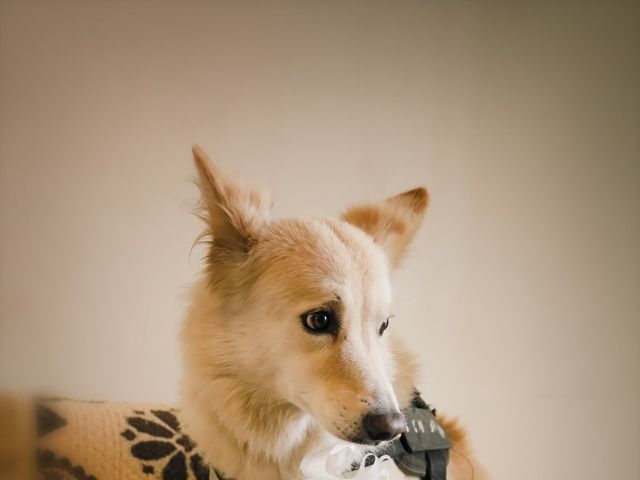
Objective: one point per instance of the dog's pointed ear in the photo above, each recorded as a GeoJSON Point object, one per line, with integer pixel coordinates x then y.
{"type": "Point", "coordinates": [393, 222]}
{"type": "Point", "coordinates": [234, 215]}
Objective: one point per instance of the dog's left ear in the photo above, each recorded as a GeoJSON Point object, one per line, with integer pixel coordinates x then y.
{"type": "Point", "coordinates": [393, 222]}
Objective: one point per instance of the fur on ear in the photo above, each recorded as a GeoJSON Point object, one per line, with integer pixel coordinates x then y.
{"type": "Point", "coordinates": [393, 222]}
{"type": "Point", "coordinates": [234, 215]}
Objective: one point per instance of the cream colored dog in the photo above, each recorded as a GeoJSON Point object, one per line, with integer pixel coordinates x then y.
{"type": "Point", "coordinates": [286, 344]}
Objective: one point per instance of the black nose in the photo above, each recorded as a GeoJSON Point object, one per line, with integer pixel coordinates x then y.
{"type": "Point", "coordinates": [384, 426]}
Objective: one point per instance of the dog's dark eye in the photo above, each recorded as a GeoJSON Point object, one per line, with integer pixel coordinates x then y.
{"type": "Point", "coordinates": [319, 321]}
{"type": "Point", "coordinates": [384, 325]}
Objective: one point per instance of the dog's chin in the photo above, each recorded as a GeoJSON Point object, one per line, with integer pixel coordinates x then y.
{"type": "Point", "coordinates": [363, 441]}
{"type": "Point", "coordinates": [359, 440]}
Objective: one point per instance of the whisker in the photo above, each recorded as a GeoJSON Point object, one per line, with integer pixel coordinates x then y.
{"type": "Point", "coordinates": [467, 460]}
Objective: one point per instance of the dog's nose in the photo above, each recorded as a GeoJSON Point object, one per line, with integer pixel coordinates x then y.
{"type": "Point", "coordinates": [384, 426]}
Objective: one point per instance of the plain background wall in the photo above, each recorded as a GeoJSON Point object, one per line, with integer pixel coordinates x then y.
{"type": "Point", "coordinates": [521, 293]}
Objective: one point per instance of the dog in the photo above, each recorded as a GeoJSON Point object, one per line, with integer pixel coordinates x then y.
{"type": "Point", "coordinates": [288, 345]}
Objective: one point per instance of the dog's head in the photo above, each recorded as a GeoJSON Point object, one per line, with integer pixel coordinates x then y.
{"type": "Point", "coordinates": [304, 306]}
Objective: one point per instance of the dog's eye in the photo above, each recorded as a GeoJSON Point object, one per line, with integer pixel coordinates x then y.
{"type": "Point", "coordinates": [384, 325]}
{"type": "Point", "coordinates": [319, 321]}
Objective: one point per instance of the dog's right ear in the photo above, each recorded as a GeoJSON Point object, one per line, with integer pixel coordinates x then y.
{"type": "Point", "coordinates": [234, 215]}
{"type": "Point", "coordinates": [393, 222]}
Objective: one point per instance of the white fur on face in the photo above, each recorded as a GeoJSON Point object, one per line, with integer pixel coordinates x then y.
{"type": "Point", "coordinates": [336, 378]}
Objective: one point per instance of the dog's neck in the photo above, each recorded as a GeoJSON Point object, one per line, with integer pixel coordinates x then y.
{"type": "Point", "coordinates": [268, 434]}
{"type": "Point", "coordinates": [232, 416]}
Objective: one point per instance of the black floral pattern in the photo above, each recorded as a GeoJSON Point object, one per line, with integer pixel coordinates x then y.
{"type": "Point", "coordinates": [159, 442]}
{"type": "Point", "coordinates": [50, 465]}
{"type": "Point", "coordinates": [47, 420]}
{"type": "Point", "coordinates": [154, 435]}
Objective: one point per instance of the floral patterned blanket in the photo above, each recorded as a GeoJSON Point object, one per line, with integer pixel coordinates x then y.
{"type": "Point", "coordinates": [61, 439]}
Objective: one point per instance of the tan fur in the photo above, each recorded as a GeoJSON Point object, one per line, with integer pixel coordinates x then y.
{"type": "Point", "coordinates": [392, 223]}
{"type": "Point", "coordinates": [259, 391]}
{"type": "Point", "coordinates": [463, 464]}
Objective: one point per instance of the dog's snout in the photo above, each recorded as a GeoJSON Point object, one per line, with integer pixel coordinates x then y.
{"type": "Point", "coordinates": [384, 426]}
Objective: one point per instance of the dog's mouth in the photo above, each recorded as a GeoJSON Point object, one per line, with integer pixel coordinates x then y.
{"type": "Point", "coordinates": [372, 429]}
{"type": "Point", "coordinates": [359, 440]}
{"type": "Point", "coordinates": [369, 442]}
{"type": "Point", "coordinates": [378, 428]}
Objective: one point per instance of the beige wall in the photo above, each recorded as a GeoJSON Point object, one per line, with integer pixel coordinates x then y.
{"type": "Point", "coordinates": [522, 291]}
